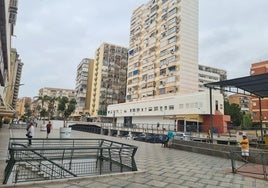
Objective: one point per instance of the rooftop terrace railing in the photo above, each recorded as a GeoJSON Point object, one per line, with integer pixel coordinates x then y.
{"type": "Point", "coordinates": [49, 159]}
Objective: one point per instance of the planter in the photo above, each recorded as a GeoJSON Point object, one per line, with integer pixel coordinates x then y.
{"type": "Point", "coordinates": [65, 132]}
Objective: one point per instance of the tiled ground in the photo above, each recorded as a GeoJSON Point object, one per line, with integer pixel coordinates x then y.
{"type": "Point", "coordinates": [160, 167]}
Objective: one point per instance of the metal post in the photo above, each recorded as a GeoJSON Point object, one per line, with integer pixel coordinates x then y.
{"type": "Point", "coordinates": [211, 126]}
{"type": "Point", "coordinates": [198, 128]}
{"type": "Point", "coordinates": [184, 127]}
{"type": "Point", "coordinates": [260, 118]}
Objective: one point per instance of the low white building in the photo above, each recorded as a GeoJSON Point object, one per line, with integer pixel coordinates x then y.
{"type": "Point", "coordinates": [166, 110]}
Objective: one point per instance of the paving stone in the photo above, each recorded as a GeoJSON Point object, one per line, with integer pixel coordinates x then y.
{"type": "Point", "coordinates": [163, 167]}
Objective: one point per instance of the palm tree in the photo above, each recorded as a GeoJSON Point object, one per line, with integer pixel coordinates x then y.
{"type": "Point", "coordinates": [51, 106]}
{"type": "Point", "coordinates": [66, 107]}
{"type": "Point", "coordinates": [43, 99]}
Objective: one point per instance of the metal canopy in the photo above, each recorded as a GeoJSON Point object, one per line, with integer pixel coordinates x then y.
{"type": "Point", "coordinates": [255, 84]}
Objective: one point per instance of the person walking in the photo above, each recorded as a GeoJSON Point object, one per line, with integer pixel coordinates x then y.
{"type": "Point", "coordinates": [49, 127]}
{"type": "Point", "coordinates": [170, 138]}
{"type": "Point", "coordinates": [244, 143]}
{"type": "Point", "coordinates": [30, 133]}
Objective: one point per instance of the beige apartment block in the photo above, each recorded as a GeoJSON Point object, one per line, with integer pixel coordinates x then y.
{"type": "Point", "coordinates": [109, 78]}
{"type": "Point", "coordinates": [163, 54]}
{"type": "Point", "coordinates": [20, 106]}
{"type": "Point", "coordinates": [52, 93]}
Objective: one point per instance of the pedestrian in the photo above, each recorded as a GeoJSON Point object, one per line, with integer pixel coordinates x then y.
{"type": "Point", "coordinates": [30, 133]}
{"type": "Point", "coordinates": [49, 127]}
{"type": "Point", "coordinates": [170, 138]}
{"type": "Point", "coordinates": [163, 139]}
{"type": "Point", "coordinates": [244, 143]}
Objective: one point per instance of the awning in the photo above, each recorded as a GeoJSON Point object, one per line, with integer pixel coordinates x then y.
{"type": "Point", "coordinates": [255, 84]}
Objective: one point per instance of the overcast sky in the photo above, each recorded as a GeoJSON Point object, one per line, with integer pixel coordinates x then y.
{"type": "Point", "coordinates": [53, 36]}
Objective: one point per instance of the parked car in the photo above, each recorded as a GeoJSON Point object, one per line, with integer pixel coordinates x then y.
{"type": "Point", "coordinates": [182, 136]}
{"type": "Point", "coordinates": [140, 137]}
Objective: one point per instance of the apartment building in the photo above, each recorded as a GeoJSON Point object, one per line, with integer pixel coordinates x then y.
{"type": "Point", "coordinates": [244, 102]}
{"type": "Point", "coordinates": [15, 77]}
{"type": "Point", "coordinates": [8, 15]}
{"type": "Point", "coordinates": [81, 86]}
{"type": "Point", "coordinates": [20, 106]}
{"type": "Point", "coordinates": [163, 55]}
{"type": "Point", "coordinates": [207, 74]}
{"type": "Point", "coordinates": [52, 93]}
{"type": "Point", "coordinates": [109, 78]}
{"type": "Point", "coordinates": [163, 72]}
{"type": "Point", "coordinates": [259, 68]}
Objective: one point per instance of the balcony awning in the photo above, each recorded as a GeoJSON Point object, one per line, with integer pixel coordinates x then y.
{"type": "Point", "coordinates": [255, 84]}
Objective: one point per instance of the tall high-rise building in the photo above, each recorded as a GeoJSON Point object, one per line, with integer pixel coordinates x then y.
{"type": "Point", "coordinates": [259, 68]}
{"type": "Point", "coordinates": [15, 76]}
{"type": "Point", "coordinates": [8, 15]}
{"type": "Point", "coordinates": [109, 78]}
{"type": "Point", "coordinates": [163, 54]}
{"type": "Point", "coordinates": [81, 86]}
{"type": "Point", "coordinates": [163, 71]}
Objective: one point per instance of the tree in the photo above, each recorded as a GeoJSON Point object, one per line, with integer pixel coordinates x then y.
{"type": "Point", "coordinates": [51, 106]}
{"type": "Point", "coordinates": [247, 121]}
{"type": "Point", "coordinates": [27, 109]}
{"type": "Point", "coordinates": [43, 110]}
{"type": "Point", "coordinates": [234, 111]}
{"type": "Point", "coordinates": [66, 107]}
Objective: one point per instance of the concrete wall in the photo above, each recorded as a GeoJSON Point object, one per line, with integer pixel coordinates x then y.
{"type": "Point", "coordinates": [219, 150]}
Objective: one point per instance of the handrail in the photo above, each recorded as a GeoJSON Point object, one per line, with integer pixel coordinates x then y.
{"type": "Point", "coordinates": [256, 158]}
{"type": "Point", "coordinates": [44, 155]}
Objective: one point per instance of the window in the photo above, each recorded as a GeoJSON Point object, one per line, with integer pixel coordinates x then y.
{"type": "Point", "coordinates": [171, 107]}
{"type": "Point", "coordinates": [163, 62]}
{"type": "Point", "coordinates": [171, 59]}
{"type": "Point", "coordinates": [135, 72]}
{"type": "Point", "coordinates": [156, 108]}
{"type": "Point", "coordinates": [173, 11]}
{"type": "Point", "coordinates": [143, 85]}
{"type": "Point", "coordinates": [151, 75]}
{"type": "Point", "coordinates": [162, 71]}
{"type": "Point", "coordinates": [162, 91]}
{"type": "Point", "coordinates": [150, 109]}
{"type": "Point", "coordinates": [172, 39]}
{"type": "Point", "coordinates": [172, 20]}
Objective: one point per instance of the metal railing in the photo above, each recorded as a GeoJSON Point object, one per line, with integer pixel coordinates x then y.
{"type": "Point", "coordinates": [64, 158]}
{"type": "Point", "coordinates": [257, 165]}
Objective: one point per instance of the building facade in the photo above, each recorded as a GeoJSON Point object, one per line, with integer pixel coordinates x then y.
{"type": "Point", "coordinates": [15, 77]}
{"type": "Point", "coordinates": [208, 74]}
{"type": "Point", "coordinates": [81, 87]}
{"type": "Point", "coordinates": [109, 78]}
{"type": "Point", "coordinates": [163, 54]}
{"type": "Point", "coordinates": [259, 68]}
{"type": "Point", "coordinates": [244, 102]}
{"type": "Point", "coordinates": [51, 93]}
{"type": "Point", "coordinates": [8, 15]}
{"type": "Point", "coordinates": [20, 106]}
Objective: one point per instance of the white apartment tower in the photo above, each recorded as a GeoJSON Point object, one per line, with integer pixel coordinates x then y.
{"type": "Point", "coordinates": [163, 54]}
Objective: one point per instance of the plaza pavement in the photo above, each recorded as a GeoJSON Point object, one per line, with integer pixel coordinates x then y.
{"type": "Point", "coordinates": [158, 167]}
